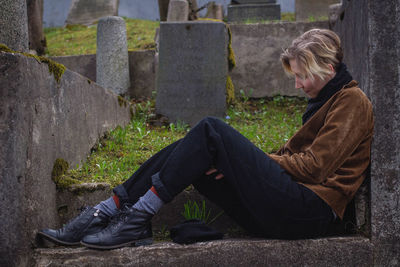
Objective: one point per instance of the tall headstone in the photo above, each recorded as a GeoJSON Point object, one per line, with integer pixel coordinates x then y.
{"type": "Point", "coordinates": [313, 9]}
{"type": "Point", "coordinates": [178, 10]}
{"type": "Point", "coordinates": [254, 10]}
{"type": "Point", "coordinates": [89, 11]}
{"type": "Point", "coordinates": [193, 69]}
{"type": "Point", "coordinates": [14, 24]}
{"type": "Point", "coordinates": [112, 64]}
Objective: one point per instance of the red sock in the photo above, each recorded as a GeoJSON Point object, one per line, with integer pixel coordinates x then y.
{"type": "Point", "coordinates": [154, 191]}
{"type": "Point", "coordinates": [116, 200]}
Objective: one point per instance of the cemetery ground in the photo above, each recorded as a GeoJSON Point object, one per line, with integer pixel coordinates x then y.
{"type": "Point", "coordinates": [267, 122]}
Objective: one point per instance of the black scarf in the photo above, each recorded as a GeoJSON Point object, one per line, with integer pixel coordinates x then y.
{"type": "Point", "coordinates": [341, 78]}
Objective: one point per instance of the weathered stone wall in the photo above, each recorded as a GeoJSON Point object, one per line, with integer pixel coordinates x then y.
{"type": "Point", "coordinates": [370, 31]}
{"type": "Point", "coordinates": [89, 11]}
{"type": "Point", "coordinates": [42, 120]}
{"type": "Point", "coordinates": [141, 70]}
{"type": "Point", "coordinates": [257, 50]}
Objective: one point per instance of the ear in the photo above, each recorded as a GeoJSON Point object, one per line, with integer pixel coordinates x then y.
{"type": "Point", "coordinates": [331, 67]}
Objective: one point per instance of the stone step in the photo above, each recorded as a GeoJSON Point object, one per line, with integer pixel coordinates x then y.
{"type": "Point", "coordinates": [338, 251]}
{"type": "Point", "coordinates": [71, 200]}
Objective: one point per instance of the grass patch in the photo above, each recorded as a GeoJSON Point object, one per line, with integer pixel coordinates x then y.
{"type": "Point", "coordinates": [80, 39]}
{"type": "Point", "coordinates": [268, 123]}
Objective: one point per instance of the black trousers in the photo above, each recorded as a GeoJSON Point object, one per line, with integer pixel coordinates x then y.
{"type": "Point", "coordinates": [255, 191]}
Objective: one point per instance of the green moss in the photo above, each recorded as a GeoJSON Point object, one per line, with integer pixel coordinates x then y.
{"type": "Point", "coordinates": [132, 112]}
{"type": "Point", "coordinates": [231, 54]}
{"type": "Point", "coordinates": [230, 91]}
{"type": "Point", "coordinates": [89, 81]}
{"type": "Point", "coordinates": [122, 102]}
{"type": "Point", "coordinates": [60, 167]}
{"type": "Point", "coordinates": [4, 48]}
{"type": "Point", "coordinates": [54, 68]}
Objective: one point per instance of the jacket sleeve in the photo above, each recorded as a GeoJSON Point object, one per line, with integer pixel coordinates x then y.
{"type": "Point", "coordinates": [346, 125]}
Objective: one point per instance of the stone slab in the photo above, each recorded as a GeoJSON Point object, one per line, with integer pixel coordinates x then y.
{"type": "Point", "coordinates": [306, 9]}
{"type": "Point", "coordinates": [71, 200]}
{"type": "Point", "coordinates": [178, 10]}
{"type": "Point", "coordinates": [87, 12]}
{"type": "Point", "coordinates": [257, 50]}
{"type": "Point", "coordinates": [340, 251]}
{"type": "Point", "coordinates": [141, 70]}
{"type": "Point", "coordinates": [193, 69]}
{"type": "Point", "coordinates": [142, 73]}
{"type": "Point", "coordinates": [367, 28]}
{"type": "Point", "coordinates": [42, 120]}
{"type": "Point", "coordinates": [82, 64]}
{"type": "Point", "coordinates": [254, 12]}
{"type": "Point", "coordinates": [14, 24]}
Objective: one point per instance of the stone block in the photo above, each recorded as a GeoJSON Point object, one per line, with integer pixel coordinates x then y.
{"type": "Point", "coordinates": [367, 28]}
{"type": "Point", "coordinates": [142, 73]}
{"type": "Point", "coordinates": [257, 50]}
{"type": "Point", "coordinates": [334, 13]}
{"type": "Point", "coordinates": [141, 70]}
{"type": "Point", "coordinates": [87, 12]}
{"type": "Point", "coordinates": [71, 200]}
{"type": "Point", "coordinates": [112, 65]}
{"type": "Point", "coordinates": [317, 9]}
{"type": "Point", "coordinates": [42, 120]}
{"type": "Point", "coordinates": [193, 69]}
{"type": "Point", "coordinates": [254, 12]}
{"type": "Point", "coordinates": [178, 10]}
{"type": "Point", "coordinates": [82, 64]}
{"type": "Point", "coordinates": [14, 24]}
{"type": "Point", "coordinates": [339, 251]}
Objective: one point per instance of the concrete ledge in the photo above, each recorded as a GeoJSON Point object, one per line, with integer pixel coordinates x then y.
{"type": "Point", "coordinates": [339, 251]}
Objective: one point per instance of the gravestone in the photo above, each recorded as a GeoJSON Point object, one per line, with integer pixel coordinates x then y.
{"type": "Point", "coordinates": [89, 11]}
{"type": "Point", "coordinates": [215, 11]}
{"type": "Point", "coordinates": [313, 9]}
{"type": "Point", "coordinates": [178, 10]}
{"type": "Point", "coordinates": [193, 69]}
{"type": "Point", "coordinates": [14, 24]}
{"type": "Point", "coordinates": [112, 64]}
{"type": "Point", "coordinates": [254, 10]}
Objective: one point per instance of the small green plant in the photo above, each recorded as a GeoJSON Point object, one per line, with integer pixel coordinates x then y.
{"type": "Point", "coordinates": [192, 210]}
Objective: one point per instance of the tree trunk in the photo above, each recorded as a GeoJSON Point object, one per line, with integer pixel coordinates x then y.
{"type": "Point", "coordinates": [163, 8]}
{"type": "Point", "coordinates": [37, 40]}
{"type": "Point", "coordinates": [193, 9]}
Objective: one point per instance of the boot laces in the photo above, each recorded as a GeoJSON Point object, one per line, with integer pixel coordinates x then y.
{"type": "Point", "coordinates": [70, 225]}
{"type": "Point", "coordinates": [120, 217]}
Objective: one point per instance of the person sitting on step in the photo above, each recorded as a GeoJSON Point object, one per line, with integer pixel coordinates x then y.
{"type": "Point", "coordinates": [294, 193]}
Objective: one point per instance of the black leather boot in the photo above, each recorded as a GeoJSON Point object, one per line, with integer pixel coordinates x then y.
{"type": "Point", "coordinates": [130, 227]}
{"type": "Point", "coordinates": [89, 221]}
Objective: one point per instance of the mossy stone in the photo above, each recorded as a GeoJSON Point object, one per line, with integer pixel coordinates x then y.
{"type": "Point", "coordinates": [55, 68]}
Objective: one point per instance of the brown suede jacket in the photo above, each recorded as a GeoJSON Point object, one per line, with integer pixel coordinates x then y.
{"type": "Point", "coordinates": [331, 152]}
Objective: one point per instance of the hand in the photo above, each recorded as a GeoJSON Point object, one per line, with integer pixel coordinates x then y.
{"type": "Point", "coordinates": [218, 176]}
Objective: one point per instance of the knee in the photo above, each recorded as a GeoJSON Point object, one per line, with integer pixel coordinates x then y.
{"type": "Point", "coordinates": [210, 120]}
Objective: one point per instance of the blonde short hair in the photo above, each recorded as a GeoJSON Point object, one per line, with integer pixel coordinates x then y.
{"type": "Point", "coordinates": [313, 51]}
